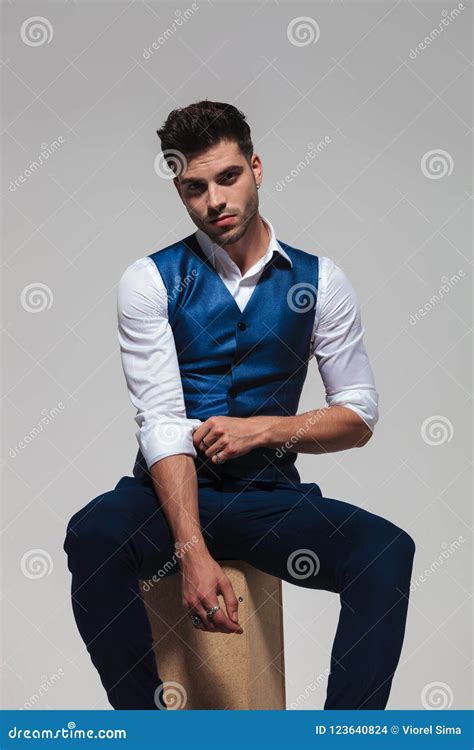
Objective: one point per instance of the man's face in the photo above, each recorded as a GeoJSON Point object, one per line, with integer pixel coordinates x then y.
{"type": "Point", "coordinates": [221, 182]}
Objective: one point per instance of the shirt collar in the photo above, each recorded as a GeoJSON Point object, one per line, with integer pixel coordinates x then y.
{"type": "Point", "coordinates": [211, 248]}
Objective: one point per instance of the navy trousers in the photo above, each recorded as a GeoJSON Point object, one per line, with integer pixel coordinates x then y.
{"type": "Point", "coordinates": [122, 537]}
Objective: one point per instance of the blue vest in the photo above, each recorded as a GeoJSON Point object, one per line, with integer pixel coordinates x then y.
{"type": "Point", "coordinates": [240, 364]}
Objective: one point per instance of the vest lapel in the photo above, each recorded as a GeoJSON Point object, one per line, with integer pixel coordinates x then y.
{"type": "Point", "coordinates": [193, 245]}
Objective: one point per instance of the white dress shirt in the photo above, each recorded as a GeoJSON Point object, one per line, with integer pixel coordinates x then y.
{"type": "Point", "coordinates": [150, 362]}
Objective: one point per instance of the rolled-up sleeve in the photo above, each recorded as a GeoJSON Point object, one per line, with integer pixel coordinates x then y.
{"type": "Point", "coordinates": [150, 364]}
{"type": "Point", "coordinates": [338, 345]}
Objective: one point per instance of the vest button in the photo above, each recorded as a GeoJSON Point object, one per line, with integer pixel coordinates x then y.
{"type": "Point", "coordinates": [241, 326]}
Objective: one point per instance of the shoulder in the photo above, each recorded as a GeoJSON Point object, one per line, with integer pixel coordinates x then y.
{"type": "Point", "coordinates": [336, 299]}
{"type": "Point", "coordinates": [140, 286]}
{"type": "Point", "coordinates": [333, 279]}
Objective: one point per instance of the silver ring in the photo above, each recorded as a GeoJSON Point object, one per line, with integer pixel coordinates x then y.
{"type": "Point", "coordinates": [211, 612]}
{"type": "Point", "coordinates": [219, 460]}
{"type": "Point", "coordinates": [196, 620]}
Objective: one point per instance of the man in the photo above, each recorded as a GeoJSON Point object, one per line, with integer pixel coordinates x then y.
{"type": "Point", "coordinates": [216, 331]}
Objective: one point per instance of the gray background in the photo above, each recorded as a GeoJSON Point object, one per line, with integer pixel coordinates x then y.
{"type": "Point", "coordinates": [398, 228]}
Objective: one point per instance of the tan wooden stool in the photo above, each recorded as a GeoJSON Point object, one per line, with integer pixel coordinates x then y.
{"type": "Point", "coordinates": [204, 670]}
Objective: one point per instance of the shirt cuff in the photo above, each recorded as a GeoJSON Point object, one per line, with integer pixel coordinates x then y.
{"type": "Point", "coordinates": [363, 402]}
{"type": "Point", "coordinates": [168, 436]}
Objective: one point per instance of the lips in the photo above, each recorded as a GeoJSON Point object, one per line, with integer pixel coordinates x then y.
{"type": "Point", "coordinates": [222, 220]}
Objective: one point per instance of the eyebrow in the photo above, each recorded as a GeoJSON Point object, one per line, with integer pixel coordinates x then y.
{"type": "Point", "coordinates": [188, 180]}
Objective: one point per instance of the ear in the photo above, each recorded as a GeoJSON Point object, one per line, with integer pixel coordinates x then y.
{"type": "Point", "coordinates": [257, 167]}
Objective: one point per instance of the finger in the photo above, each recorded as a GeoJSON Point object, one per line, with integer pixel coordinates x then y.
{"type": "Point", "coordinates": [221, 620]}
{"type": "Point", "coordinates": [200, 432]}
{"type": "Point", "coordinates": [217, 445]}
{"type": "Point", "coordinates": [209, 438]}
{"type": "Point", "coordinates": [231, 601]}
{"type": "Point", "coordinates": [207, 624]}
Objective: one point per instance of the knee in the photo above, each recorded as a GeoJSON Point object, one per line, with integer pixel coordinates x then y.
{"type": "Point", "coordinates": [396, 554]}
{"type": "Point", "coordinates": [95, 527]}
{"type": "Point", "coordinates": [388, 550]}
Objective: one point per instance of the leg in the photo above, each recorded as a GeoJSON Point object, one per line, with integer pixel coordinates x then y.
{"type": "Point", "coordinates": [115, 540]}
{"type": "Point", "coordinates": [322, 543]}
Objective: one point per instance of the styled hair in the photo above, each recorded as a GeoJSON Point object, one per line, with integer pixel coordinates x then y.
{"type": "Point", "coordinates": [193, 129]}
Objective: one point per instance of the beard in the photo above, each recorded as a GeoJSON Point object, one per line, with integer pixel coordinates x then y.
{"type": "Point", "coordinates": [229, 235]}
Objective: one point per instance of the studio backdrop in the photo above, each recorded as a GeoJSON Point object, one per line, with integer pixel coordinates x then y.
{"type": "Point", "coordinates": [361, 113]}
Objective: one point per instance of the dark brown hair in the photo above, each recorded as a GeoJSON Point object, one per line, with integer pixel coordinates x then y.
{"type": "Point", "coordinates": [195, 128]}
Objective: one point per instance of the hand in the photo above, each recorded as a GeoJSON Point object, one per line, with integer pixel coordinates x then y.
{"type": "Point", "coordinates": [202, 580]}
{"type": "Point", "coordinates": [228, 436]}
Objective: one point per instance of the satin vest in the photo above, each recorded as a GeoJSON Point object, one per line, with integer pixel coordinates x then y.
{"type": "Point", "coordinates": [240, 363]}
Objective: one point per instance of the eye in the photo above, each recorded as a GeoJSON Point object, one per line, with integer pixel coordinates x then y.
{"type": "Point", "coordinates": [229, 176]}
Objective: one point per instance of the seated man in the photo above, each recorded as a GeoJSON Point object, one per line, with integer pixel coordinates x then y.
{"type": "Point", "coordinates": [216, 331]}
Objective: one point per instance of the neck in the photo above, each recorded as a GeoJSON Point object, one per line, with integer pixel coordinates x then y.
{"type": "Point", "coordinates": [251, 247]}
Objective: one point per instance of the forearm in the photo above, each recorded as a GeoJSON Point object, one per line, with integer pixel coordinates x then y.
{"type": "Point", "coordinates": [175, 483]}
{"type": "Point", "coordinates": [324, 430]}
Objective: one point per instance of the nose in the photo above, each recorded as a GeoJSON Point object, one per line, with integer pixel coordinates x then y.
{"type": "Point", "coordinates": [215, 199]}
